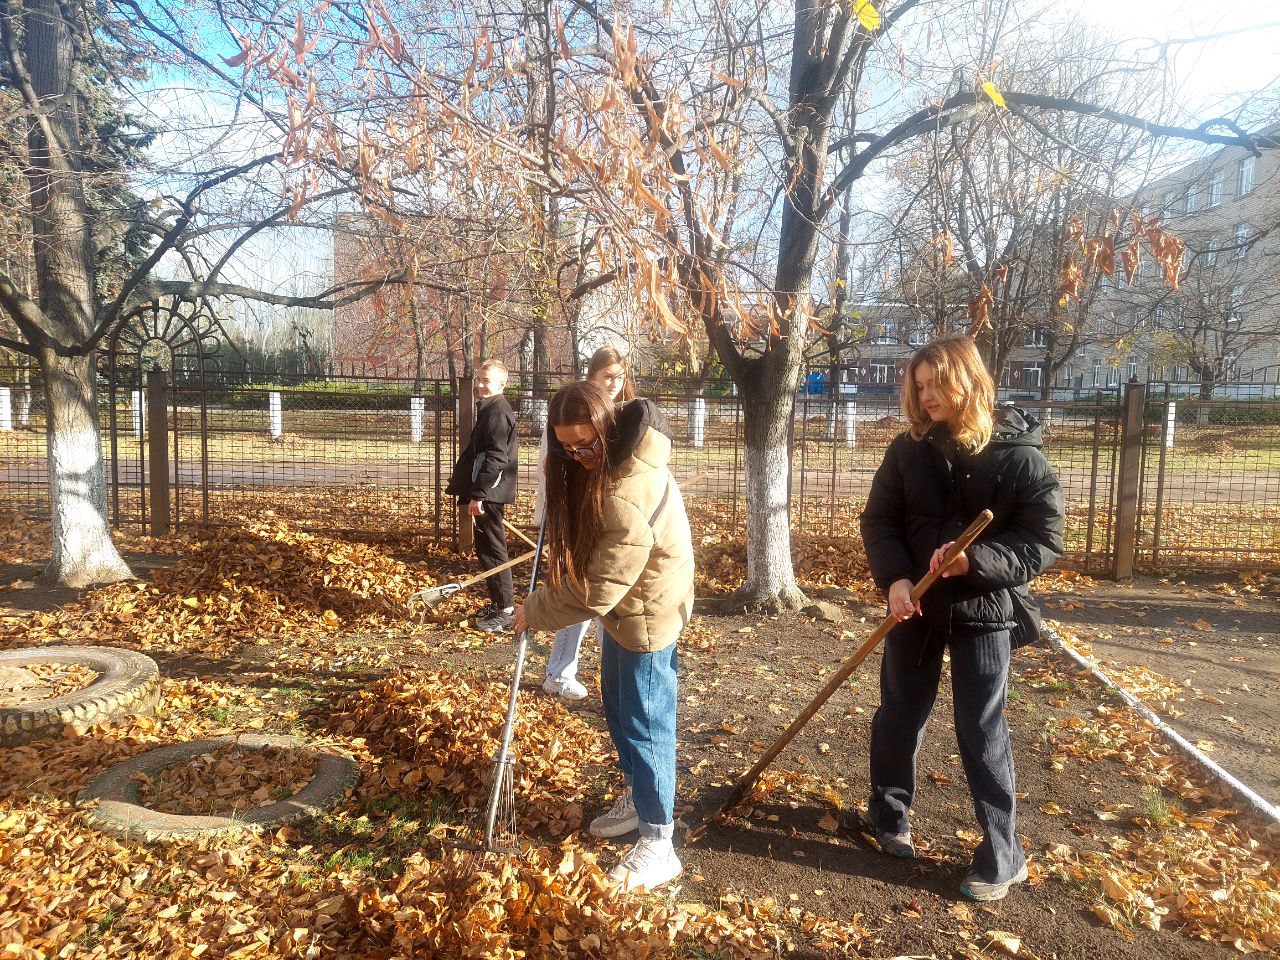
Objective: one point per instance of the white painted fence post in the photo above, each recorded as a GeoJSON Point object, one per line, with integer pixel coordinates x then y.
{"type": "Point", "coordinates": [417, 410]}
{"type": "Point", "coordinates": [276, 411]}
{"type": "Point", "coordinates": [851, 423]}
{"type": "Point", "coordinates": [139, 416]}
{"type": "Point", "coordinates": [698, 421]}
{"type": "Point", "coordinates": [1171, 418]}
{"type": "Point", "coordinates": [6, 408]}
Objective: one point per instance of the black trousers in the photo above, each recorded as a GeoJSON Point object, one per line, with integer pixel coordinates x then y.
{"type": "Point", "coordinates": [909, 675]}
{"type": "Point", "coordinates": [491, 551]}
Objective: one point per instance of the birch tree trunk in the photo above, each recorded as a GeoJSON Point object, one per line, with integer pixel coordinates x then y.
{"type": "Point", "coordinates": [83, 553]}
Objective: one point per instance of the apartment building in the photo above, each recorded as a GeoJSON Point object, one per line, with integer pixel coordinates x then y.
{"type": "Point", "coordinates": [1222, 324]}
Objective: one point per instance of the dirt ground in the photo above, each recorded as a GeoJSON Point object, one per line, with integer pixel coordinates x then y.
{"type": "Point", "coordinates": [1217, 637]}
{"type": "Point", "coordinates": [743, 678]}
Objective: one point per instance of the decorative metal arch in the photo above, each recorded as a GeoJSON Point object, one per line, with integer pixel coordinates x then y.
{"type": "Point", "coordinates": [184, 337]}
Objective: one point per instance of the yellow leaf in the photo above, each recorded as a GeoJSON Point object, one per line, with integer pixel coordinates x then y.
{"type": "Point", "coordinates": [990, 90]}
{"type": "Point", "coordinates": [868, 15]}
{"type": "Point", "coordinates": [1005, 941]}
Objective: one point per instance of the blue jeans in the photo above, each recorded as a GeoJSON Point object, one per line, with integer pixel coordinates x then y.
{"type": "Point", "coordinates": [909, 675]}
{"type": "Point", "coordinates": [562, 661]}
{"type": "Point", "coordinates": [639, 693]}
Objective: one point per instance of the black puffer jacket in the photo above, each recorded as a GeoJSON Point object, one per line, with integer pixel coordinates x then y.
{"type": "Point", "coordinates": [927, 491]}
{"type": "Point", "coordinates": [486, 470]}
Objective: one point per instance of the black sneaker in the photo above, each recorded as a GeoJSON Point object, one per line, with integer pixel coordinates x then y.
{"type": "Point", "coordinates": [498, 621]}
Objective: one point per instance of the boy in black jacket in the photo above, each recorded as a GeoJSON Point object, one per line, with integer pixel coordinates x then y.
{"type": "Point", "coordinates": [484, 479]}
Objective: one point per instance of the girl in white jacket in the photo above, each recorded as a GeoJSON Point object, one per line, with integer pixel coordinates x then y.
{"type": "Point", "coordinates": [608, 371]}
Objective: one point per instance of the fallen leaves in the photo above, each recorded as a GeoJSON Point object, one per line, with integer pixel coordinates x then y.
{"type": "Point", "coordinates": [438, 733]}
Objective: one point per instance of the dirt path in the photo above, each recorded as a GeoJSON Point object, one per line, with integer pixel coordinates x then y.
{"type": "Point", "coordinates": [1217, 639]}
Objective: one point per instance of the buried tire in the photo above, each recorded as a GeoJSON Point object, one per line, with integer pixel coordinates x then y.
{"type": "Point", "coordinates": [128, 684]}
{"type": "Point", "coordinates": [117, 807]}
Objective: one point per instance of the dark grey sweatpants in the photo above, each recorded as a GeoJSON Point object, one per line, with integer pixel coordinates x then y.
{"type": "Point", "coordinates": [909, 675]}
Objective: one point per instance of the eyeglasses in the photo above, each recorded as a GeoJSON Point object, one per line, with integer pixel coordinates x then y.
{"type": "Point", "coordinates": [589, 452]}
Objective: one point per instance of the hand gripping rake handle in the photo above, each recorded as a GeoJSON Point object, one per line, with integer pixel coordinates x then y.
{"type": "Point", "coordinates": [850, 664]}
{"type": "Point", "coordinates": [501, 775]}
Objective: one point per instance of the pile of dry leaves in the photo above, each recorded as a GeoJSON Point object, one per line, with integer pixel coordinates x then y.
{"type": "Point", "coordinates": [260, 579]}
{"type": "Point", "coordinates": [438, 733]}
{"type": "Point", "coordinates": [227, 781]}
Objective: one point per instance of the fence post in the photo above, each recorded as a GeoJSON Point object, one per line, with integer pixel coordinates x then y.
{"type": "Point", "coordinates": [851, 423]}
{"type": "Point", "coordinates": [139, 418]}
{"type": "Point", "coordinates": [417, 410]}
{"type": "Point", "coordinates": [6, 409]}
{"type": "Point", "coordinates": [276, 411]}
{"type": "Point", "coordinates": [466, 423]}
{"type": "Point", "coordinates": [1135, 399]}
{"type": "Point", "coordinates": [1171, 418]}
{"type": "Point", "coordinates": [158, 451]}
{"type": "Point", "coordinates": [697, 421]}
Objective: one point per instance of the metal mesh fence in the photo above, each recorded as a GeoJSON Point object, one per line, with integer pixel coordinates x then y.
{"type": "Point", "coordinates": [1211, 476]}
{"type": "Point", "coordinates": [372, 456]}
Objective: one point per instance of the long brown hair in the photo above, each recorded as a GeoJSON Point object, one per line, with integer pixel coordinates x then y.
{"type": "Point", "coordinates": [607, 357]}
{"type": "Point", "coordinates": [576, 495]}
{"type": "Point", "coordinates": [962, 378]}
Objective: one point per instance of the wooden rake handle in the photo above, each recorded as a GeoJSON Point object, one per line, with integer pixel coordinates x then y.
{"type": "Point", "coordinates": [850, 664]}
{"type": "Point", "coordinates": [498, 569]}
{"type": "Point", "coordinates": [518, 532]}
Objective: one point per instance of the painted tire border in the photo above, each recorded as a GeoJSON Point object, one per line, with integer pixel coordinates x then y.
{"type": "Point", "coordinates": [128, 684]}
{"type": "Point", "coordinates": [118, 809]}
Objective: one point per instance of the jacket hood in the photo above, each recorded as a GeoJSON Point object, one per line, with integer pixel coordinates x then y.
{"type": "Point", "coordinates": [1014, 427]}
{"type": "Point", "coordinates": [640, 431]}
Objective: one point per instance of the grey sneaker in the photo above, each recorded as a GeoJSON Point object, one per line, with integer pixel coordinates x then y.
{"type": "Point", "coordinates": [621, 818]}
{"type": "Point", "coordinates": [498, 621]}
{"type": "Point", "coordinates": [896, 844]}
{"type": "Point", "coordinates": [983, 892]}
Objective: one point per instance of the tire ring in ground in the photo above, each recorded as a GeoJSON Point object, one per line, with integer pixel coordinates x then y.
{"type": "Point", "coordinates": [119, 810]}
{"type": "Point", "coordinates": [128, 684]}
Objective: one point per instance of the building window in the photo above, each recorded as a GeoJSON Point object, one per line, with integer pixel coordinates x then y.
{"type": "Point", "coordinates": [1036, 337]}
{"type": "Point", "coordinates": [1216, 183]}
{"type": "Point", "coordinates": [1162, 317]}
{"type": "Point", "coordinates": [1133, 368]}
{"type": "Point", "coordinates": [1229, 363]}
{"type": "Point", "coordinates": [917, 336]}
{"type": "Point", "coordinates": [882, 373]}
{"type": "Point", "coordinates": [1170, 204]}
{"type": "Point", "coordinates": [1211, 252]}
{"type": "Point", "coordinates": [1235, 305]}
{"type": "Point", "coordinates": [1113, 376]}
{"type": "Point", "coordinates": [1241, 238]}
{"type": "Point", "coordinates": [1192, 195]}
{"type": "Point", "coordinates": [1004, 375]}
{"type": "Point", "coordinates": [1032, 376]}
{"type": "Point", "coordinates": [885, 333]}
{"type": "Point", "coordinates": [1246, 175]}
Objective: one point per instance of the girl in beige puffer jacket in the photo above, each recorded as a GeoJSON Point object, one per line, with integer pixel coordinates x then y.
{"type": "Point", "coordinates": [619, 549]}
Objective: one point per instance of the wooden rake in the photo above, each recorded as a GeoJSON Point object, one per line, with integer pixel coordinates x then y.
{"type": "Point", "coordinates": [850, 664]}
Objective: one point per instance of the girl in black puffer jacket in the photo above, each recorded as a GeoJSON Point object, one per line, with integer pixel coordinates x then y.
{"type": "Point", "coordinates": [960, 455]}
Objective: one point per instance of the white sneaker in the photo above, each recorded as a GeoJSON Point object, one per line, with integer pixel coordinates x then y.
{"type": "Point", "coordinates": [647, 865]}
{"type": "Point", "coordinates": [565, 687]}
{"type": "Point", "coordinates": [619, 820]}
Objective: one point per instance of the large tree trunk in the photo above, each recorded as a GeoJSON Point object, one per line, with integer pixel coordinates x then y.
{"type": "Point", "coordinates": [83, 553]}
{"type": "Point", "coordinates": [768, 405]}
{"type": "Point", "coordinates": [65, 258]}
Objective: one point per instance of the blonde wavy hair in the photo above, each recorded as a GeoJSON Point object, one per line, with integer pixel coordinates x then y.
{"type": "Point", "coordinates": [961, 377]}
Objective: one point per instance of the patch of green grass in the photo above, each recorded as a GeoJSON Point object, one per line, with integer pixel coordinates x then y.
{"type": "Point", "coordinates": [350, 859]}
{"type": "Point", "coordinates": [217, 713]}
{"type": "Point", "coordinates": [1156, 808]}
